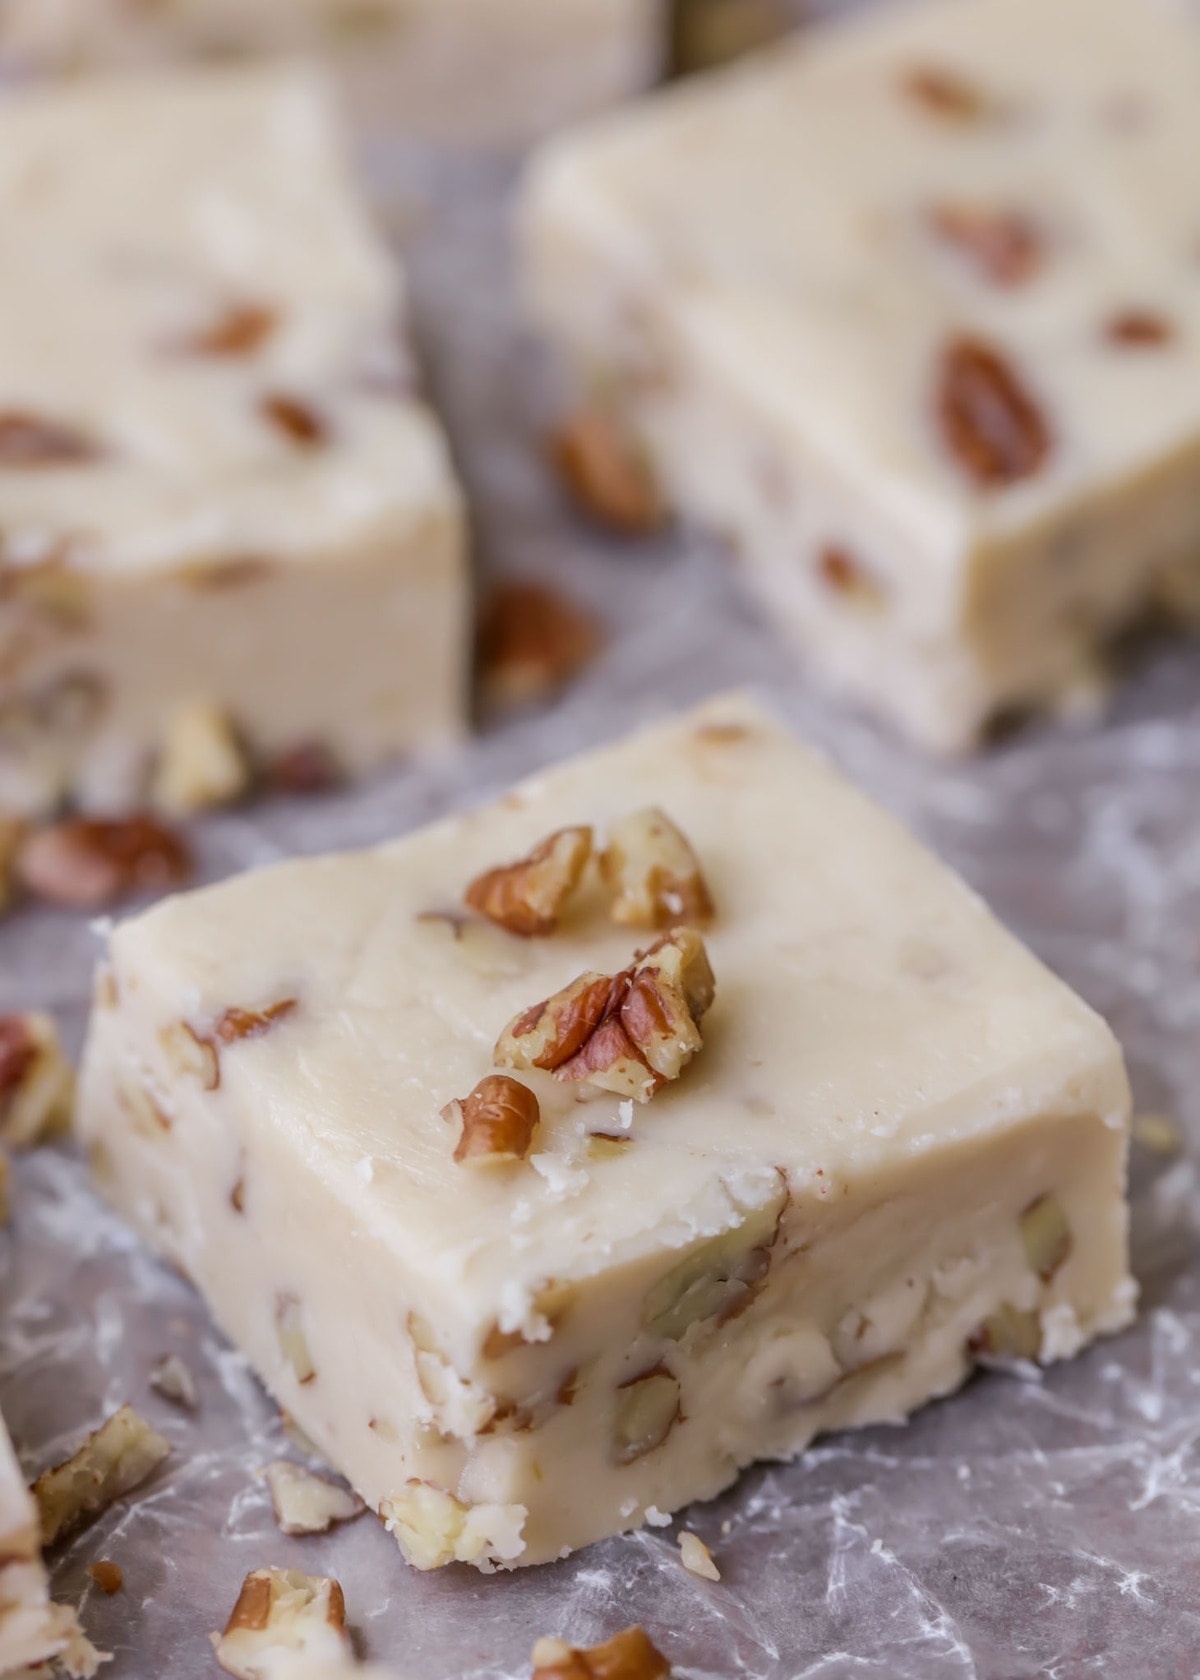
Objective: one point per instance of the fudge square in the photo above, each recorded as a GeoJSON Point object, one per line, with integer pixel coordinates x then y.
{"type": "Point", "coordinates": [912, 314]}
{"type": "Point", "coordinates": [539, 1207]}
{"type": "Point", "coordinates": [477, 71]}
{"type": "Point", "coordinates": [217, 491]}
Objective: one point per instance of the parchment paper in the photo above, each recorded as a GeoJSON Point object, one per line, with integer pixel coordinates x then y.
{"type": "Point", "coordinates": [1021, 1528]}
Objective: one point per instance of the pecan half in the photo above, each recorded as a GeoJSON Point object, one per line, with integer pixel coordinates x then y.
{"type": "Point", "coordinates": [1138, 329]}
{"type": "Point", "coordinates": [656, 874]}
{"type": "Point", "coordinates": [297, 420]}
{"type": "Point", "coordinates": [28, 441]}
{"type": "Point", "coordinates": [240, 331]}
{"type": "Point", "coordinates": [945, 93]}
{"type": "Point", "coordinates": [1005, 246]}
{"type": "Point", "coordinates": [627, 1656]}
{"type": "Point", "coordinates": [607, 473]}
{"type": "Point", "coordinates": [532, 640]}
{"type": "Point", "coordinates": [528, 896]}
{"type": "Point", "coordinates": [86, 863]}
{"type": "Point", "coordinates": [498, 1119]}
{"type": "Point", "coordinates": [989, 422]}
{"type": "Point", "coordinates": [631, 1033]}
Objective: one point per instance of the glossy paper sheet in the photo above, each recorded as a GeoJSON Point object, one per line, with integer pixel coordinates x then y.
{"type": "Point", "coordinates": [1021, 1528]}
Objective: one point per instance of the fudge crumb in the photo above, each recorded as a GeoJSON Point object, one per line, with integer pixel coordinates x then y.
{"type": "Point", "coordinates": [173, 1379]}
{"type": "Point", "coordinates": [696, 1557]}
{"type": "Point", "coordinates": [306, 1503]}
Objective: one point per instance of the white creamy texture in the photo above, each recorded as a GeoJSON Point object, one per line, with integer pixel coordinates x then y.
{"type": "Point", "coordinates": [308, 586]}
{"type": "Point", "coordinates": [495, 71]}
{"type": "Point", "coordinates": [757, 257]}
{"type": "Point", "coordinates": [32, 1630]}
{"type": "Point", "coordinates": [878, 1045]}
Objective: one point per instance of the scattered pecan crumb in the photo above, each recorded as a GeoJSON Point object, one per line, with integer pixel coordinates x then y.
{"type": "Point", "coordinates": [607, 473]}
{"type": "Point", "coordinates": [628, 1656]}
{"type": "Point", "coordinates": [1005, 245]}
{"type": "Point", "coordinates": [846, 576]}
{"type": "Point", "coordinates": [37, 1083]}
{"type": "Point", "coordinates": [306, 1503]}
{"type": "Point", "coordinates": [27, 441]}
{"type": "Point", "coordinates": [115, 1459]}
{"type": "Point", "coordinates": [87, 863]}
{"type": "Point", "coordinates": [527, 897]}
{"type": "Point", "coordinates": [988, 420]}
{"type": "Point", "coordinates": [1138, 329]}
{"type": "Point", "coordinates": [280, 1611]}
{"type": "Point", "coordinates": [945, 93]}
{"type": "Point", "coordinates": [297, 420]}
{"type": "Point", "coordinates": [309, 767]}
{"type": "Point", "coordinates": [173, 1379]}
{"type": "Point", "coordinates": [650, 864]}
{"type": "Point", "coordinates": [631, 1033]}
{"type": "Point", "coordinates": [696, 1557]}
{"type": "Point", "coordinates": [202, 765]}
{"type": "Point", "coordinates": [498, 1119]}
{"type": "Point", "coordinates": [532, 640]}
{"type": "Point", "coordinates": [241, 330]}
{"type": "Point", "coordinates": [107, 1575]}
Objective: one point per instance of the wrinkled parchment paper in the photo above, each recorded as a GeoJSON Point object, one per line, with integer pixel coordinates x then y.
{"type": "Point", "coordinates": [1022, 1528]}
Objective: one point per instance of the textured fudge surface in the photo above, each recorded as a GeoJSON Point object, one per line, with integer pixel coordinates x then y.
{"type": "Point", "coordinates": [490, 70]}
{"type": "Point", "coordinates": [887, 1081]}
{"type": "Point", "coordinates": [32, 1630]}
{"type": "Point", "coordinates": [800, 242]}
{"type": "Point", "coordinates": [214, 481]}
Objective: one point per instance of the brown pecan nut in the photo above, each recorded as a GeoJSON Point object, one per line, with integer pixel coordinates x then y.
{"type": "Point", "coordinates": [308, 767]}
{"type": "Point", "coordinates": [627, 1656]}
{"type": "Point", "coordinates": [631, 1033]}
{"type": "Point", "coordinates": [235, 1024]}
{"type": "Point", "coordinates": [280, 1611]}
{"type": "Point", "coordinates": [296, 419]}
{"type": "Point", "coordinates": [242, 329]}
{"type": "Point", "coordinates": [528, 896]}
{"type": "Point", "coordinates": [203, 764]}
{"type": "Point", "coordinates": [29, 441]}
{"type": "Point", "coordinates": [945, 93]}
{"type": "Point", "coordinates": [37, 1085]}
{"type": "Point", "coordinates": [607, 473]}
{"type": "Point", "coordinates": [532, 640]}
{"type": "Point", "coordinates": [844, 574]}
{"type": "Point", "coordinates": [988, 420]}
{"type": "Point", "coordinates": [656, 875]}
{"type": "Point", "coordinates": [1004, 245]}
{"type": "Point", "coordinates": [498, 1121]}
{"type": "Point", "coordinates": [86, 863]}
{"type": "Point", "coordinates": [647, 1410]}
{"type": "Point", "coordinates": [1138, 329]}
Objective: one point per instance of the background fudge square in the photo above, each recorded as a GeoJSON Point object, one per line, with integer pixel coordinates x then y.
{"type": "Point", "coordinates": [911, 311]}
{"type": "Point", "coordinates": [477, 71]}
{"type": "Point", "coordinates": [217, 488]}
{"type": "Point", "coordinates": [895, 1148]}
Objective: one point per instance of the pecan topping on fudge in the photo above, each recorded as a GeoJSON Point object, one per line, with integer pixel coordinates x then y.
{"type": "Point", "coordinates": [498, 1121]}
{"type": "Point", "coordinates": [989, 422]}
{"type": "Point", "coordinates": [655, 872]}
{"type": "Point", "coordinates": [607, 473]}
{"type": "Point", "coordinates": [631, 1033]}
{"type": "Point", "coordinates": [528, 896]}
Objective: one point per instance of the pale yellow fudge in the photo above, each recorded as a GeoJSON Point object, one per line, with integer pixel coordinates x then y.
{"type": "Point", "coordinates": [797, 1165]}
{"type": "Point", "coordinates": [230, 529]}
{"type": "Point", "coordinates": [32, 1629]}
{"type": "Point", "coordinates": [909, 311]}
{"type": "Point", "coordinates": [480, 71]}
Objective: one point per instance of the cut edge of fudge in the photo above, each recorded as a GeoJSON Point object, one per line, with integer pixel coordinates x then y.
{"type": "Point", "coordinates": [943, 1186]}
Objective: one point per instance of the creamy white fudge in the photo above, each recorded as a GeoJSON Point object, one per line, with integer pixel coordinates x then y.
{"type": "Point", "coordinates": [481, 71]}
{"type": "Point", "coordinates": [222, 507]}
{"type": "Point", "coordinates": [910, 310]}
{"type": "Point", "coordinates": [32, 1629]}
{"type": "Point", "coordinates": [893, 1146]}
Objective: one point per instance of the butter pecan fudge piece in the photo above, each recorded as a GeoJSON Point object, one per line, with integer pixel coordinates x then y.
{"type": "Point", "coordinates": [910, 310]}
{"type": "Point", "coordinates": [538, 1218]}
{"type": "Point", "coordinates": [32, 1629]}
{"type": "Point", "coordinates": [229, 530]}
{"type": "Point", "coordinates": [480, 71]}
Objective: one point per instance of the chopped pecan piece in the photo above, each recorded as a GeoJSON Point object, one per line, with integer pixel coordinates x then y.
{"type": "Point", "coordinates": [846, 576]}
{"type": "Point", "coordinates": [86, 863]}
{"type": "Point", "coordinates": [946, 93]}
{"type": "Point", "coordinates": [989, 422]}
{"type": "Point", "coordinates": [280, 1611]}
{"type": "Point", "coordinates": [498, 1119]}
{"type": "Point", "coordinates": [434, 1528]}
{"type": "Point", "coordinates": [237, 1024]}
{"type": "Point", "coordinates": [696, 1557]}
{"type": "Point", "coordinates": [532, 640]}
{"type": "Point", "coordinates": [527, 897]}
{"type": "Point", "coordinates": [1045, 1236]}
{"type": "Point", "coordinates": [295, 419]}
{"type": "Point", "coordinates": [107, 1575]}
{"type": "Point", "coordinates": [293, 1343]}
{"type": "Point", "coordinates": [647, 1410]}
{"type": "Point", "coordinates": [114, 1460]}
{"type": "Point", "coordinates": [240, 331]}
{"type": "Point", "coordinates": [37, 1084]}
{"type": "Point", "coordinates": [1005, 246]}
{"type": "Point", "coordinates": [631, 1033]}
{"type": "Point", "coordinates": [308, 767]}
{"type": "Point", "coordinates": [172, 1378]}
{"type": "Point", "coordinates": [203, 764]}
{"type": "Point", "coordinates": [628, 1656]}
{"type": "Point", "coordinates": [28, 441]}
{"type": "Point", "coordinates": [306, 1503]}
{"type": "Point", "coordinates": [607, 473]}
{"type": "Point", "coordinates": [655, 872]}
{"type": "Point", "coordinates": [1138, 329]}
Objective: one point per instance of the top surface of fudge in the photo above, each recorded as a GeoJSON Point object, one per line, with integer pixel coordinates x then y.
{"type": "Point", "coordinates": [866, 1005]}
{"type": "Point", "coordinates": [198, 328]}
{"type": "Point", "coordinates": [832, 216]}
